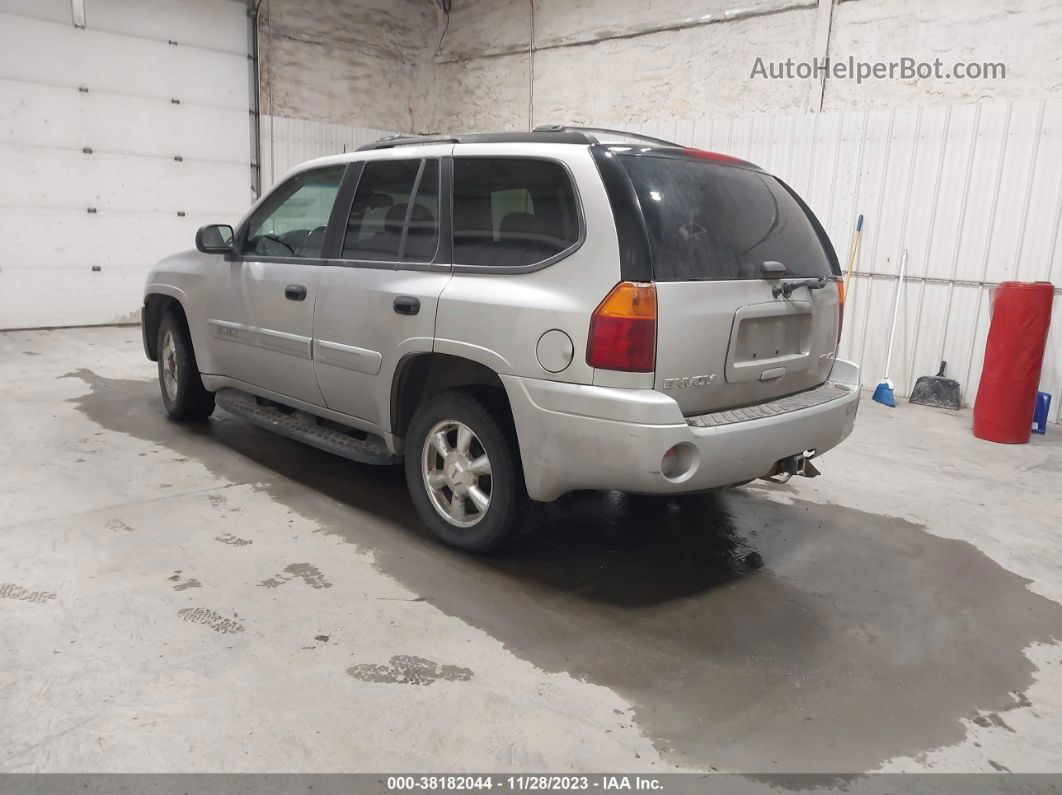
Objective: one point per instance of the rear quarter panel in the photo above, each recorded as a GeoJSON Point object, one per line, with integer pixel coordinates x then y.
{"type": "Point", "coordinates": [497, 318]}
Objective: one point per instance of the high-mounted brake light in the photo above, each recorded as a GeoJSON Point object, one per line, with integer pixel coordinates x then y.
{"type": "Point", "coordinates": [623, 329]}
{"type": "Point", "coordinates": [716, 156]}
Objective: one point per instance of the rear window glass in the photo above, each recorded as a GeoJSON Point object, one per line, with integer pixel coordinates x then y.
{"type": "Point", "coordinates": [714, 222]}
{"type": "Point", "coordinates": [511, 212]}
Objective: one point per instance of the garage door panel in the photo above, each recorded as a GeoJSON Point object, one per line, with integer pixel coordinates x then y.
{"type": "Point", "coordinates": [120, 64]}
{"type": "Point", "coordinates": [215, 24]}
{"type": "Point", "coordinates": [106, 182]}
{"type": "Point", "coordinates": [146, 204]}
{"type": "Point", "coordinates": [76, 297]}
{"type": "Point", "coordinates": [193, 23]}
{"type": "Point", "coordinates": [50, 239]}
{"type": "Point", "coordinates": [48, 10]}
{"type": "Point", "coordinates": [66, 118]}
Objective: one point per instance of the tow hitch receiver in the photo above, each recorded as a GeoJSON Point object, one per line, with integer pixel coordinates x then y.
{"type": "Point", "coordinates": [799, 464]}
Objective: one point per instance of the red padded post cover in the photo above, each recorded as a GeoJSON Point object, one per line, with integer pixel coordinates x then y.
{"type": "Point", "coordinates": [1014, 353]}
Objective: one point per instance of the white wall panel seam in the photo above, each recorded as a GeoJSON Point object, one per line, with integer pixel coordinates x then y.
{"type": "Point", "coordinates": [1029, 182]}
{"type": "Point", "coordinates": [1003, 141]}
{"type": "Point", "coordinates": [929, 241]}
{"type": "Point", "coordinates": [1054, 243]}
{"type": "Point", "coordinates": [901, 245]}
{"type": "Point", "coordinates": [877, 230]}
{"type": "Point", "coordinates": [959, 228]}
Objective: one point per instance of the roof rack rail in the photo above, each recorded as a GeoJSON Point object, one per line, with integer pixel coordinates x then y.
{"type": "Point", "coordinates": [635, 136]}
{"type": "Point", "coordinates": [549, 133]}
{"type": "Point", "coordinates": [391, 141]}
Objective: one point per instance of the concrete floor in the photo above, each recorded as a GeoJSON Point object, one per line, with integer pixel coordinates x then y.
{"type": "Point", "coordinates": [216, 598]}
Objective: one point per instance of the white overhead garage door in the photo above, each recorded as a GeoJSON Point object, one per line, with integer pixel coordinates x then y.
{"type": "Point", "coordinates": [117, 141]}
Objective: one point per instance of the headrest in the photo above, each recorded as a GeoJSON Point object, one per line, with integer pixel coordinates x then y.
{"type": "Point", "coordinates": [421, 215]}
{"type": "Point", "coordinates": [520, 224]}
{"type": "Point", "coordinates": [395, 219]}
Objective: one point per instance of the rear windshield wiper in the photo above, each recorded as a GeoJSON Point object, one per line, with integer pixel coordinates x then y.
{"type": "Point", "coordinates": [787, 288]}
{"type": "Point", "coordinates": [771, 270]}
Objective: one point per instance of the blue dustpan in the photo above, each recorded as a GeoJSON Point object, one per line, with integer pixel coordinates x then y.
{"type": "Point", "coordinates": [884, 395]}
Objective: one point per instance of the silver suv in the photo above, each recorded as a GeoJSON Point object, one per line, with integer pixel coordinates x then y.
{"type": "Point", "coordinates": [518, 316]}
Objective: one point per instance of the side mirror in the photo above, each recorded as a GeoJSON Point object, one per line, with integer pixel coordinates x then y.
{"type": "Point", "coordinates": [214, 239]}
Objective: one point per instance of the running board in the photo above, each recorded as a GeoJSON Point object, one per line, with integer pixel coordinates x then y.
{"type": "Point", "coordinates": [304, 427]}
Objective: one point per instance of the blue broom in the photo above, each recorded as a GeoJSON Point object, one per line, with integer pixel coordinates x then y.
{"type": "Point", "coordinates": [884, 393]}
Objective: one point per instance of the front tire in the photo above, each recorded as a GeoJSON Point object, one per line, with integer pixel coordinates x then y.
{"type": "Point", "coordinates": [183, 393]}
{"type": "Point", "coordinates": [463, 472]}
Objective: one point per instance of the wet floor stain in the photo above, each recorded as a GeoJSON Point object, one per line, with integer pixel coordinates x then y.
{"type": "Point", "coordinates": [748, 635]}
{"type": "Point", "coordinates": [408, 670]}
{"type": "Point", "coordinates": [216, 622]}
{"type": "Point", "coordinates": [308, 573]}
{"type": "Point", "coordinates": [233, 541]}
{"type": "Point", "coordinates": [10, 590]}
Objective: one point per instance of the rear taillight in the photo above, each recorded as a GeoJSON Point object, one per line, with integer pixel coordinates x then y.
{"type": "Point", "coordinates": [623, 329]}
{"type": "Point", "coordinates": [840, 309]}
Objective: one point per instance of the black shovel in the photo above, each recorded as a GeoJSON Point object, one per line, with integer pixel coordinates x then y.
{"type": "Point", "coordinates": [936, 390]}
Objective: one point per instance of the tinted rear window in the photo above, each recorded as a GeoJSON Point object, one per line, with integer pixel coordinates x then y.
{"type": "Point", "coordinates": [708, 221]}
{"type": "Point", "coordinates": [512, 212]}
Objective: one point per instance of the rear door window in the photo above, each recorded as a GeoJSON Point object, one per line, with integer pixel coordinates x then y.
{"type": "Point", "coordinates": [391, 193]}
{"type": "Point", "coordinates": [512, 212]}
{"type": "Point", "coordinates": [709, 221]}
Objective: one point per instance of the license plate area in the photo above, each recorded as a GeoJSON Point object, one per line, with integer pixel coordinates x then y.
{"type": "Point", "coordinates": [770, 341]}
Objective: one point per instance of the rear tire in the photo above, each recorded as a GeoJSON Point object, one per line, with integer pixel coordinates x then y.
{"type": "Point", "coordinates": [183, 393]}
{"type": "Point", "coordinates": [463, 472]}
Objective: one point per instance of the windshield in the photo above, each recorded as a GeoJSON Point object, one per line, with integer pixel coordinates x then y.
{"type": "Point", "coordinates": [709, 221]}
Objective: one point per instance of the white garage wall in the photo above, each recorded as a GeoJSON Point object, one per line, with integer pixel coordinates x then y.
{"type": "Point", "coordinates": [157, 168]}
{"type": "Point", "coordinates": [973, 192]}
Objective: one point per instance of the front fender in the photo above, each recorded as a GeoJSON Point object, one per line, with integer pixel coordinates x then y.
{"type": "Point", "coordinates": [183, 277]}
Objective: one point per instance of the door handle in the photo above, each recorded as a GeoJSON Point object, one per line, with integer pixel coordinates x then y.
{"type": "Point", "coordinates": [406, 305]}
{"type": "Point", "coordinates": [295, 292]}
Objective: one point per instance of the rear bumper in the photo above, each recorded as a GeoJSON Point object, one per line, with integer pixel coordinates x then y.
{"type": "Point", "coordinates": [584, 437]}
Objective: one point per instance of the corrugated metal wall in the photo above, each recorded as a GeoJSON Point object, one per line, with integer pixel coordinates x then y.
{"type": "Point", "coordinates": [288, 142]}
{"type": "Point", "coordinates": [974, 192]}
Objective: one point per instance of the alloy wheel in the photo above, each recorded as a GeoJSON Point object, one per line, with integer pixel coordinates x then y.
{"type": "Point", "coordinates": [456, 472]}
